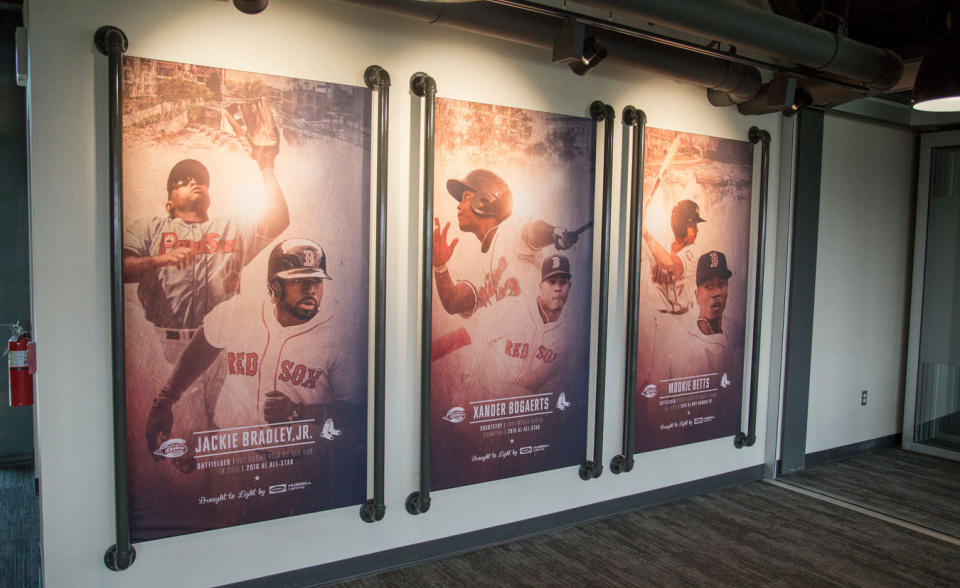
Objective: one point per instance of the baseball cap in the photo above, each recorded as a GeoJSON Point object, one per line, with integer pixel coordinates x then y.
{"type": "Point", "coordinates": [188, 168]}
{"type": "Point", "coordinates": [712, 264]}
{"type": "Point", "coordinates": [554, 265]}
{"type": "Point", "coordinates": [686, 212]}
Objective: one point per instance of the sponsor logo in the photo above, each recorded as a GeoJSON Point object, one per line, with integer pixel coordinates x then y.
{"type": "Point", "coordinates": [650, 391]}
{"type": "Point", "coordinates": [455, 414]}
{"type": "Point", "coordinates": [172, 448]}
{"type": "Point", "coordinates": [702, 420]}
{"type": "Point", "coordinates": [278, 489]}
{"type": "Point", "coordinates": [526, 450]}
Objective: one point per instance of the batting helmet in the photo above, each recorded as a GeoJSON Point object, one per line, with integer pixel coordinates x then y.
{"type": "Point", "coordinates": [295, 258]}
{"type": "Point", "coordinates": [684, 213]}
{"type": "Point", "coordinates": [493, 198]}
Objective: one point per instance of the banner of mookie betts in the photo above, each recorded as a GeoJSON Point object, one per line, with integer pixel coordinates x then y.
{"type": "Point", "coordinates": [245, 263]}
{"type": "Point", "coordinates": [693, 288]}
{"type": "Point", "coordinates": [512, 265]}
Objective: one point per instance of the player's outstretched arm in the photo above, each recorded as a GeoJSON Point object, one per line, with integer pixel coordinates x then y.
{"type": "Point", "coordinates": [135, 268]}
{"type": "Point", "coordinates": [539, 234]}
{"type": "Point", "coordinates": [196, 358]}
{"type": "Point", "coordinates": [455, 298]}
{"type": "Point", "coordinates": [261, 139]}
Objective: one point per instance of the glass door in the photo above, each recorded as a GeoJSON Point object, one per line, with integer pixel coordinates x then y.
{"type": "Point", "coordinates": [931, 419]}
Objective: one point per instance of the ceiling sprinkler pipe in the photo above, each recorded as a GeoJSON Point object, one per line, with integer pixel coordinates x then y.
{"type": "Point", "coordinates": [751, 28]}
{"type": "Point", "coordinates": [537, 29]}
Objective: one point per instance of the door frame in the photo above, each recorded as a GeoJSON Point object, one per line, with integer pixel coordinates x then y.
{"type": "Point", "coordinates": [928, 142]}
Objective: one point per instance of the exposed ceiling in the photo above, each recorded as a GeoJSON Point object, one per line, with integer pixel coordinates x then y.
{"type": "Point", "coordinates": [907, 27]}
{"type": "Point", "coordinates": [904, 26]}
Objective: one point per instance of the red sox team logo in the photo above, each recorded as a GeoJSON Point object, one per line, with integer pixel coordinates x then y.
{"type": "Point", "coordinates": [309, 259]}
{"type": "Point", "coordinates": [714, 259]}
{"type": "Point", "coordinates": [521, 350]}
{"type": "Point", "coordinates": [248, 364]}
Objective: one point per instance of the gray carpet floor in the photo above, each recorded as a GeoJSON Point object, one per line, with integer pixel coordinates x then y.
{"type": "Point", "coordinates": [19, 528]}
{"type": "Point", "coordinates": [752, 535]}
{"type": "Point", "coordinates": [912, 486]}
{"type": "Point", "coordinates": [757, 534]}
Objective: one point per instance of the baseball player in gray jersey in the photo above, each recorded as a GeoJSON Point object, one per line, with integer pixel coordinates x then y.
{"type": "Point", "coordinates": [186, 263]}
{"type": "Point", "coordinates": [510, 249]}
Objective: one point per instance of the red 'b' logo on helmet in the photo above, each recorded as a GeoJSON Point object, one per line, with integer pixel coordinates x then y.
{"type": "Point", "coordinates": [714, 259]}
{"type": "Point", "coordinates": [309, 258]}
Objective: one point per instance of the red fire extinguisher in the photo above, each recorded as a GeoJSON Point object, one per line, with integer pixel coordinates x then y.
{"type": "Point", "coordinates": [20, 367]}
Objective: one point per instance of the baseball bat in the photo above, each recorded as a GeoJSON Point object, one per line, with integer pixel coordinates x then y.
{"type": "Point", "coordinates": [582, 229]}
{"type": "Point", "coordinates": [667, 161]}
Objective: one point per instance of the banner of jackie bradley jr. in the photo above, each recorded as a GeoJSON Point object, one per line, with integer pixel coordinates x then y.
{"type": "Point", "coordinates": [245, 263]}
{"type": "Point", "coordinates": [693, 288]}
{"type": "Point", "coordinates": [512, 263]}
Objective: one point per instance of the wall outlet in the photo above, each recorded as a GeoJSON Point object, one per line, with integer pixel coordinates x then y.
{"type": "Point", "coordinates": [863, 398]}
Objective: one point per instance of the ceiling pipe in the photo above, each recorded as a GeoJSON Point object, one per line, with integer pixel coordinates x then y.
{"type": "Point", "coordinates": [751, 28]}
{"type": "Point", "coordinates": [732, 82]}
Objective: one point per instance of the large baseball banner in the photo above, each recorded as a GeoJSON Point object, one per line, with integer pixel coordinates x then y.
{"type": "Point", "coordinates": [693, 293]}
{"type": "Point", "coordinates": [512, 265]}
{"type": "Point", "coordinates": [245, 260]}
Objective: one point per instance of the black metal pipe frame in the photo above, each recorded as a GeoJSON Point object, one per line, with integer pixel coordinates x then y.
{"type": "Point", "coordinates": [602, 112]}
{"type": "Point", "coordinates": [424, 86]}
{"type": "Point", "coordinates": [111, 42]}
{"type": "Point", "coordinates": [378, 80]}
{"type": "Point", "coordinates": [636, 119]}
{"type": "Point", "coordinates": [747, 439]}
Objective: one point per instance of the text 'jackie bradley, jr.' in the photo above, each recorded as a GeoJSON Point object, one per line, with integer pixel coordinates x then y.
{"type": "Point", "coordinates": [252, 438]}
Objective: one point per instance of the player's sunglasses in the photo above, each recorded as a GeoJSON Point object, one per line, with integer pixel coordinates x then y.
{"type": "Point", "coordinates": [186, 182]}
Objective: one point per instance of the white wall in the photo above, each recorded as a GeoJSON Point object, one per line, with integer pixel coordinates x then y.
{"type": "Point", "coordinates": [863, 285]}
{"type": "Point", "coordinates": [70, 248]}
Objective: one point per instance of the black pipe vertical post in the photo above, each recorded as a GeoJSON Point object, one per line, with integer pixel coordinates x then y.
{"type": "Point", "coordinates": [636, 119]}
{"type": "Point", "coordinates": [602, 112]}
{"type": "Point", "coordinates": [750, 437]}
{"type": "Point", "coordinates": [378, 80]}
{"type": "Point", "coordinates": [111, 42]}
{"type": "Point", "coordinates": [424, 86]}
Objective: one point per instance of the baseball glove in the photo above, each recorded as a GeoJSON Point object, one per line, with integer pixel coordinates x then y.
{"type": "Point", "coordinates": [256, 128]}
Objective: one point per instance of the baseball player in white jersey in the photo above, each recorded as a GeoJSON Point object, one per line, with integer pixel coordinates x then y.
{"type": "Point", "coordinates": [187, 263]}
{"type": "Point", "coordinates": [674, 270]}
{"type": "Point", "coordinates": [674, 282]}
{"type": "Point", "coordinates": [530, 344]}
{"type": "Point", "coordinates": [705, 350]}
{"type": "Point", "coordinates": [510, 249]}
{"type": "Point", "coordinates": [282, 363]}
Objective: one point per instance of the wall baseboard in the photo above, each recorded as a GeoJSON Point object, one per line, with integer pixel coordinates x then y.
{"type": "Point", "coordinates": [852, 450]}
{"type": "Point", "coordinates": [15, 458]}
{"type": "Point", "coordinates": [401, 557]}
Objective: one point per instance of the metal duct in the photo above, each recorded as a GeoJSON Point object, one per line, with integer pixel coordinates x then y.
{"type": "Point", "coordinates": [737, 81]}
{"type": "Point", "coordinates": [748, 27]}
